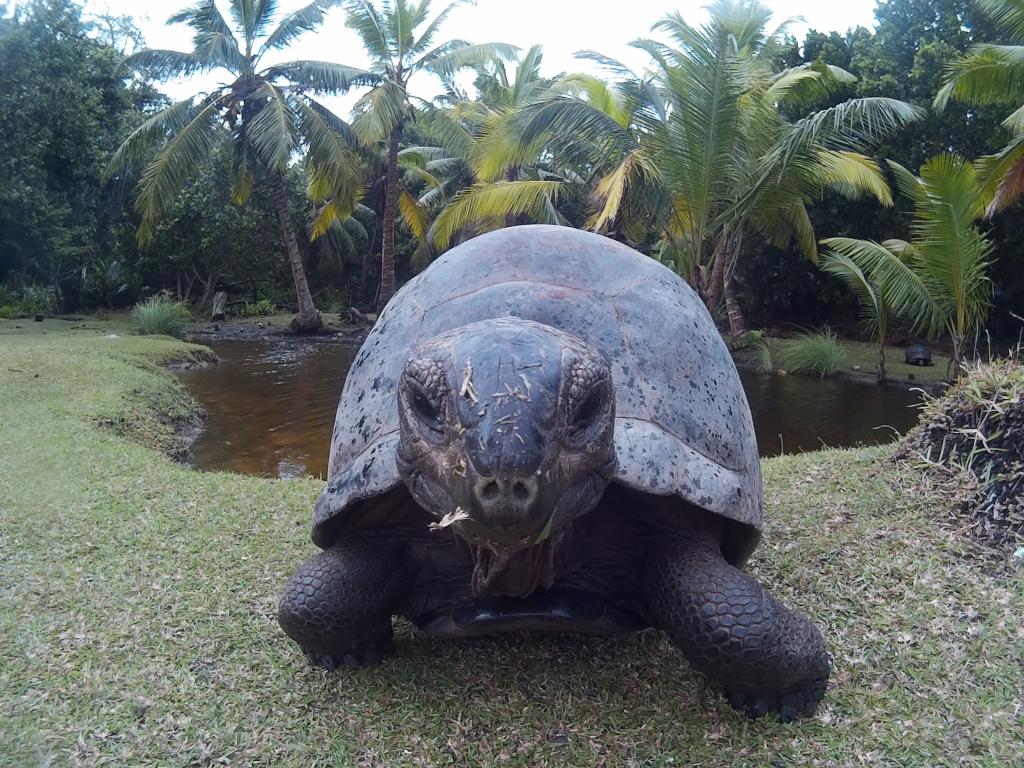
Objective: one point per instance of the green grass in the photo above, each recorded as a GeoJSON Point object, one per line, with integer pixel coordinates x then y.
{"type": "Point", "coordinates": [160, 316]}
{"type": "Point", "coordinates": [137, 603]}
{"type": "Point", "coordinates": [814, 352]}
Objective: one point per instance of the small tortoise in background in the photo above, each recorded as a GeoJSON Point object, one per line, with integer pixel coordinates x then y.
{"type": "Point", "coordinates": [918, 353]}
{"type": "Point", "coordinates": [545, 431]}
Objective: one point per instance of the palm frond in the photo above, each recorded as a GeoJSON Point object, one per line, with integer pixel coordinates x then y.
{"type": "Point", "coordinates": [808, 84]}
{"type": "Point", "coordinates": [1001, 177]}
{"type": "Point", "coordinates": [988, 74]}
{"type": "Point", "coordinates": [322, 76]}
{"type": "Point", "coordinates": [1008, 14]}
{"type": "Point", "coordinates": [853, 175]}
{"type": "Point", "coordinates": [423, 42]}
{"type": "Point", "coordinates": [152, 133]}
{"type": "Point", "coordinates": [331, 165]}
{"type": "Point", "coordinates": [612, 190]}
{"type": "Point", "coordinates": [379, 112]}
{"type": "Point", "coordinates": [414, 215]}
{"type": "Point", "coordinates": [163, 64]}
{"type": "Point", "coordinates": [296, 24]}
{"type": "Point", "coordinates": [899, 284]}
{"type": "Point", "coordinates": [271, 132]}
{"type": "Point", "coordinates": [486, 206]}
{"type": "Point", "coordinates": [846, 269]}
{"type": "Point", "coordinates": [212, 41]}
{"type": "Point", "coordinates": [162, 179]}
{"type": "Point", "coordinates": [447, 64]}
{"type": "Point", "coordinates": [365, 21]}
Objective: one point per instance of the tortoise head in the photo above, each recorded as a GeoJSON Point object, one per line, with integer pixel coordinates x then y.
{"type": "Point", "coordinates": [506, 430]}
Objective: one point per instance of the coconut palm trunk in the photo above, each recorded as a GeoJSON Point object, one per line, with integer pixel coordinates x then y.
{"type": "Point", "coordinates": [307, 319]}
{"type": "Point", "coordinates": [387, 256]}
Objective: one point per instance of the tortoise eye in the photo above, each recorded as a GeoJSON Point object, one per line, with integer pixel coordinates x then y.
{"type": "Point", "coordinates": [590, 408]}
{"type": "Point", "coordinates": [426, 411]}
{"type": "Point", "coordinates": [587, 414]}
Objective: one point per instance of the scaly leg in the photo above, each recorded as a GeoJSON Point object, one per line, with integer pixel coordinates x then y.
{"type": "Point", "coordinates": [338, 605]}
{"type": "Point", "coordinates": [766, 657]}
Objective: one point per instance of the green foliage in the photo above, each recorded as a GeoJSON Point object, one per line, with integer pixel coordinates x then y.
{"type": "Point", "coordinates": [64, 106]}
{"type": "Point", "coordinates": [261, 308]}
{"type": "Point", "coordinates": [939, 280]}
{"type": "Point", "coordinates": [718, 143]}
{"type": "Point", "coordinates": [399, 39]}
{"type": "Point", "coordinates": [813, 352]}
{"type": "Point", "coordinates": [160, 316]}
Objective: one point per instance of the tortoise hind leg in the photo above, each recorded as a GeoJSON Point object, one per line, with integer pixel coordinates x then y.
{"type": "Point", "coordinates": [338, 605]}
{"type": "Point", "coordinates": [766, 657]}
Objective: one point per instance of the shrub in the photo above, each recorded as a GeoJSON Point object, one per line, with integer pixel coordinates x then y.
{"type": "Point", "coordinates": [813, 352]}
{"type": "Point", "coordinates": [261, 308]}
{"type": "Point", "coordinates": [972, 438]}
{"type": "Point", "coordinates": [761, 351]}
{"type": "Point", "coordinates": [745, 341]}
{"type": "Point", "coordinates": [160, 315]}
{"type": "Point", "coordinates": [8, 312]}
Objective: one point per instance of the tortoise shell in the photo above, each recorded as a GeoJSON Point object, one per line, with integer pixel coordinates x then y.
{"type": "Point", "coordinates": [683, 426]}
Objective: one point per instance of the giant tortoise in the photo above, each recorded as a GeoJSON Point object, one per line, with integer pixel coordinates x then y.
{"type": "Point", "coordinates": [544, 431]}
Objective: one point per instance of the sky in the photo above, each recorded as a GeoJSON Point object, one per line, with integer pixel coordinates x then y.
{"type": "Point", "coordinates": [561, 26]}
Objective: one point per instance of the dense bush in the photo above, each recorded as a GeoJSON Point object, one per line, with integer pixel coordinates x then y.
{"type": "Point", "coordinates": [160, 315]}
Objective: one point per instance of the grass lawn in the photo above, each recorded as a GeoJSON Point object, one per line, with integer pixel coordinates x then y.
{"type": "Point", "coordinates": [864, 355]}
{"type": "Point", "coordinates": [137, 603]}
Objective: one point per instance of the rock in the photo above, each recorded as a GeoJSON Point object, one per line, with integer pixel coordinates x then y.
{"type": "Point", "coordinates": [38, 318]}
{"type": "Point", "coordinates": [260, 325]}
{"type": "Point", "coordinates": [781, 372]}
{"type": "Point", "coordinates": [855, 368]}
{"type": "Point", "coordinates": [220, 303]}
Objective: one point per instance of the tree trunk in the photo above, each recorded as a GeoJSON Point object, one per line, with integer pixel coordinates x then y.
{"type": "Point", "coordinates": [308, 319]}
{"type": "Point", "coordinates": [387, 255]}
{"type": "Point", "coordinates": [737, 323]}
{"type": "Point", "coordinates": [715, 286]}
{"type": "Point", "coordinates": [209, 288]}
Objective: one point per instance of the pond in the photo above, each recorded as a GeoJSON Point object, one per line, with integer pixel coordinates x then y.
{"type": "Point", "coordinates": [271, 408]}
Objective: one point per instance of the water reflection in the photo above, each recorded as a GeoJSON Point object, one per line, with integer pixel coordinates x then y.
{"type": "Point", "coordinates": [271, 408]}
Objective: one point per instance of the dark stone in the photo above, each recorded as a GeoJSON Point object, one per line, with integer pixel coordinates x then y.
{"type": "Point", "coordinates": [545, 431]}
{"type": "Point", "coordinates": [38, 318]}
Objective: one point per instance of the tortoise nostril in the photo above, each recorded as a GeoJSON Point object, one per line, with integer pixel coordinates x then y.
{"type": "Point", "coordinates": [491, 490]}
{"type": "Point", "coordinates": [520, 492]}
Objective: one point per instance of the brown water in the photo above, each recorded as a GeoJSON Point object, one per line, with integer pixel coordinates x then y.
{"type": "Point", "coordinates": [271, 408]}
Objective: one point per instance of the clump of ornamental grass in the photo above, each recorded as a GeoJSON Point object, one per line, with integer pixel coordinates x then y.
{"type": "Point", "coordinates": [813, 352]}
{"type": "Point", "coordinates": [160, 316]}
{"type": "Point", "coordinates": [973, 437]}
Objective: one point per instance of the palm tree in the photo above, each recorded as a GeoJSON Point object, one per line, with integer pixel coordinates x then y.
{"type": "Point", "coordinates": [939, 280]}
{"type": "Point", "coordinates": [267, 114]}
{"type": "Point", "coordinates": [477, 176]}
{"type": "Point", "coordinates": [703, 148]}
{"type": "Point", "coordinates": [874, 307]}
{"type": "Point", "coordinates": [993, 74]}
{"type": "Point", "coordinates": [399, 38]}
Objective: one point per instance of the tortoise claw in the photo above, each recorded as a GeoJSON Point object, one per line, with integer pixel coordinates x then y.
{"type": "Point", "coordinates": [802, 702]}
{"type": "Point", "coordinates": [352, 658]}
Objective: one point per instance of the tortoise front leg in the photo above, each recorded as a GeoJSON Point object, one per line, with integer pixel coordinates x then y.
{"type": "Point", "coordinates": [766, 657]}
{"type": "Point", "coordinates": [338, 605]}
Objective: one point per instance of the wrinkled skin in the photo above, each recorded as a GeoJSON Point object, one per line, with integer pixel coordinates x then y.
{"type": "Point", "coordinates": [507, 521]}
